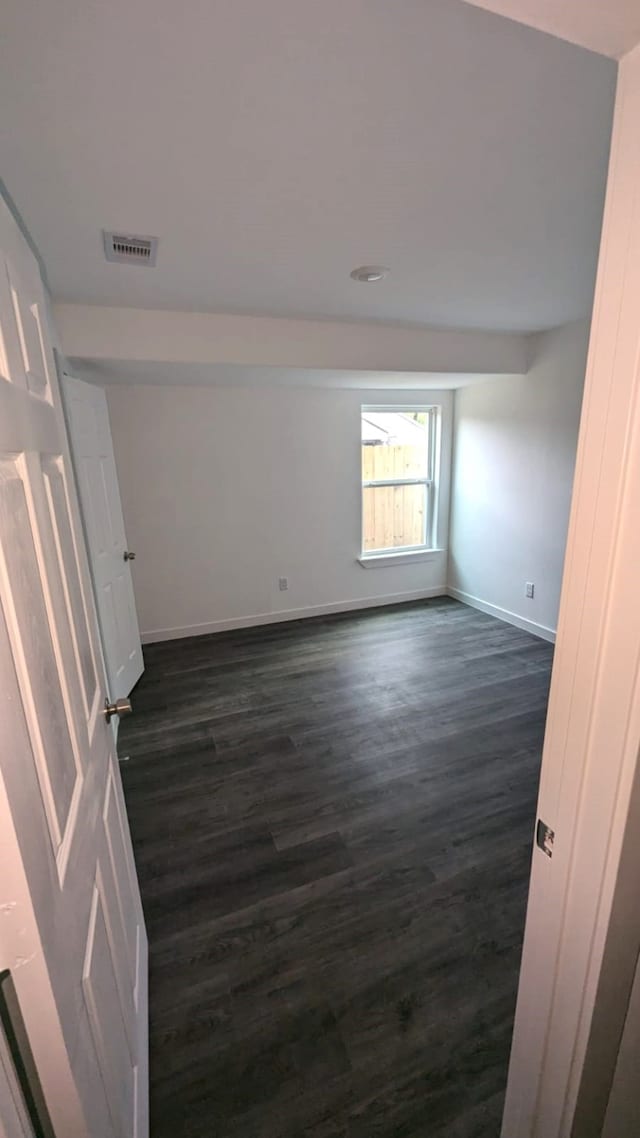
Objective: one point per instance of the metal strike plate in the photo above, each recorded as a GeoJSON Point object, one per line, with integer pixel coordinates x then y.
{"type": "Point", "coordinates": [545, 837]}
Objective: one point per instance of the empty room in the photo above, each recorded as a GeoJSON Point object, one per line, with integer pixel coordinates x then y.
{"type": "Point", "coordinates": [319, 786]}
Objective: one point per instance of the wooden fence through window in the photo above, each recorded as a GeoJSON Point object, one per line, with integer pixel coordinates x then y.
{"type": "Point", "coordinates": [393, 516]}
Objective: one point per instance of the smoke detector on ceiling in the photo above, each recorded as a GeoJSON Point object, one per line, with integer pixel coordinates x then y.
{"type": "Point", "coordinates": [126, 249]}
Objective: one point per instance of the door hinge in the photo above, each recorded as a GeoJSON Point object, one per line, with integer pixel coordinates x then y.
{"type": "Point", "coordinates": [545, 837]}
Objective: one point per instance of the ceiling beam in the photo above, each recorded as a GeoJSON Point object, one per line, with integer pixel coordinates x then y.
{"type": "Point", "coordinates": [100, 333]}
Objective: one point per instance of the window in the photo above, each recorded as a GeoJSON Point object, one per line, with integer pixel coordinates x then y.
{"type": "Point", "coordinates": [398, 479]}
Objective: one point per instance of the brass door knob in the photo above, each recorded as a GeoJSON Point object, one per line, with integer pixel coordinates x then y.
{"type": "Point", "coordinates": [120, 707]}
{"type": "Point", "coordinates": [129, 555]}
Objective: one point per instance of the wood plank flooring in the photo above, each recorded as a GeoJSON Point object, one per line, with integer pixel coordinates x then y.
{"type": "Point", "coordinates": [332, 822]}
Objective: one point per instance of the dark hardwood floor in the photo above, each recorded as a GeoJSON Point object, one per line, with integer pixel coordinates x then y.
{"type": "Point", "coordinates": [332, 822]}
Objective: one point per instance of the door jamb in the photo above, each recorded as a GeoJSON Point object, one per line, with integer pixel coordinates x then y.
{"type": "Point", "coordinates": [593, 726]}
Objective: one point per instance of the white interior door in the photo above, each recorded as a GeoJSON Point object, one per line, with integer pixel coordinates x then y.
{"type": "Point", "coordinates": [109, 556]}
{"type": "Point", "coordinates": [72, 934]}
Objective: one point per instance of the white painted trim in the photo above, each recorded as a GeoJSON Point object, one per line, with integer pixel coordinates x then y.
{"type": "Point", "coordinates": [592, 739]}
{"type": "Point", "coordinates": [503, 614]}
{"type": "Point", "coordinates": [406, 557]}
{"type": "Point", "coordinates": [157, 634]}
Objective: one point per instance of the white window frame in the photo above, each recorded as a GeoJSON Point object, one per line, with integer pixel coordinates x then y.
{"type": "Point", "coordinates": [429, 481]}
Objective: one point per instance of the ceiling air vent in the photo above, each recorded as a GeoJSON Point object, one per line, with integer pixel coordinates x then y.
{"type": "Point", "coordinates": [129, 250]}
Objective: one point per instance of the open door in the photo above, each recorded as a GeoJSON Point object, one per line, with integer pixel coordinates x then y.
{"type": "Point", "coordinates": [109, 556]}
{"type": "Point", "coordinates": [73, 947]}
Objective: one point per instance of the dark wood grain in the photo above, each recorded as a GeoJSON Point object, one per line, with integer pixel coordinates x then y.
{"type": "Point", "coordinates": [332, 823]}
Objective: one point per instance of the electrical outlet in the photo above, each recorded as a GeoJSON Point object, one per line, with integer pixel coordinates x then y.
{"type": "Point", "coordinates": [283, 584]}
{"type": "Point", "coordinates": [529, 590]}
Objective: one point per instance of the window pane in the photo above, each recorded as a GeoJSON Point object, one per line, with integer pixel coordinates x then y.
{"type": "Point", "coordinates": [395, 444]}
{"type": "Point", "coordinates": [393, 516]}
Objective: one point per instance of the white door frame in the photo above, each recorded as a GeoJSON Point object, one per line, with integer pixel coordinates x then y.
{"type": "Point", "coordinates": [592, 738]}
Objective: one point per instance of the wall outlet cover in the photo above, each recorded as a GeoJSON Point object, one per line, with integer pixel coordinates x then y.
{"type": "Point", "coordinates": [283, 584]}
{"type": "Point", "coordinates": [529, 590]}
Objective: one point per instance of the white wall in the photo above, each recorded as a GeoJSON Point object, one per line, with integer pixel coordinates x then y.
{"type": "Point", "coordinates": [514, 457]}
{"type": "Point", "coordinates": [224, 490]}
{"type": "Point", "coordinates": [235, 487]}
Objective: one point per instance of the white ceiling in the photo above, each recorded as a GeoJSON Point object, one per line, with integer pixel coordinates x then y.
{"type": "Point", "coordinates": [611, 27]}
{"type": "Point", "coordinates": [273, 146]}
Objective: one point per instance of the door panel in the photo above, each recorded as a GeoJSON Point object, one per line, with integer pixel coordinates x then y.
{"type": "Point", "coordinates": [72, 931]}
{"type": "Point", "coordinates": [119, 860]}
{"type": "Point", "coordinates": [54, 749]}
{"type": "Point", "coordinates": [90, 434]}
{"type": "Point", "coordinates": [106, 1014]}
{"type": "Point", "coordinates": [27, 313]}
{"type": "Point", "coordinates": [123, 946]}
{"type": "Point", "coordinates": [76, 602]}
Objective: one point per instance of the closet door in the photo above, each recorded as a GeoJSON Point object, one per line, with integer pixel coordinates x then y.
{"type": "Point", "coordinates": [110, 558]}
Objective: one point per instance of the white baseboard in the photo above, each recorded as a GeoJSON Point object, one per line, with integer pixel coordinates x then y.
{"type": "Point", "coordinates": [157, 634]}
{"type": "Point", "coordinates": [503, 614]}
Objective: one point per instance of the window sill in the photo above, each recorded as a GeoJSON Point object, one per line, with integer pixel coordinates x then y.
{"type": "Point", "coordinates": [387, 560]}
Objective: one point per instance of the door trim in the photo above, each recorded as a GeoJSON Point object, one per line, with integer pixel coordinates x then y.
{"type": "Point", "coordinates": [593, 726]}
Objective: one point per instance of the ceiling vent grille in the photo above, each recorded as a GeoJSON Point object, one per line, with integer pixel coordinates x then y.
{"type": "Point", "coordinates": [128, 250]}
